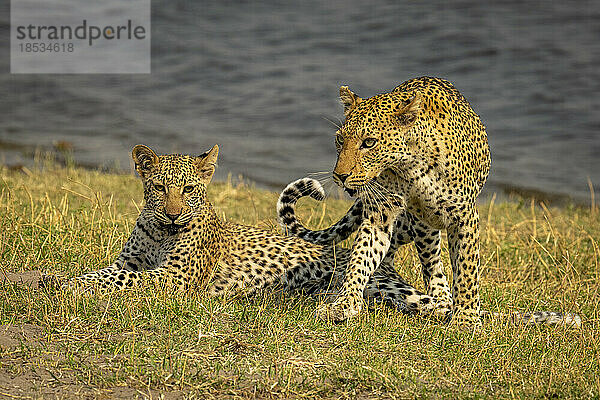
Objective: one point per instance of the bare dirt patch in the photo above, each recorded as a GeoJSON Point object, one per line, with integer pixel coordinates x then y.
{"type": "Point", "coordinates": [30, 368]}
{"type": "Point", "coordinates": [32, 279]}
{"type": "Point", "coordinates": [14, 336]}
{"type": "Point", "coordinates": [21, 372]}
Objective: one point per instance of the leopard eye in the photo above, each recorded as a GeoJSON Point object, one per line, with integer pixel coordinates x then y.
{"type": "Point", "coordinates": [160, 187]}
{"type": "Point", "coordinates": [188, 189]}
{"type": "Point", "coordinates": [368, 143]}
{"type": "Point", "coordinates": [339, 140]}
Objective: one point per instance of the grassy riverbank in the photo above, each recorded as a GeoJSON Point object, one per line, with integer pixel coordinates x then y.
{"type": "Point", "coordinates": [145, 343]}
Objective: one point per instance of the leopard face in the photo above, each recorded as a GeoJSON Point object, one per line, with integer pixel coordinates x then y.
{"type": "Point", "coordinates": [374, 136]}
{"type": "Point", "coordinates": [174, 185]}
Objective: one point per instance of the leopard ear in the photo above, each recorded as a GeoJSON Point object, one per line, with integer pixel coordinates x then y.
{"type": "Point", "coordinates": [207, 163]}
{"type": "Point", "coordinates": [349, 99]}
{"type": "Point", "coordinates": [144, 158]}
{"type": "Point", "coordinates": [406, 112]}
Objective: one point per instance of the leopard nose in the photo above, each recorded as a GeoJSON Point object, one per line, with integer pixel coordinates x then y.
{"type": "Point", "coordinates": [173, 217]}
{"type": "Point", "coordinates": [341, 177]}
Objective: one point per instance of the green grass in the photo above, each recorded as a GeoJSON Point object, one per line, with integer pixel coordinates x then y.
{"type": "Point", "coordinates": [146, 343]}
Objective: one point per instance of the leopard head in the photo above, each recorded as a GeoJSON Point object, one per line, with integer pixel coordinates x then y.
{"type": "Point", "coordinates": [174, 185]}
{"type": "Point", "coordinates": [373, 136]}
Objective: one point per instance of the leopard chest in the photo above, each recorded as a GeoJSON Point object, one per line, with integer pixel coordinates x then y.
{"type": "Point", "coordinates": [424, 194]}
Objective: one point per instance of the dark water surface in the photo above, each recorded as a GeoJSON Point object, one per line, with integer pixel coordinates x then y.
{"type": "Point", "coordinates": [261, 79]}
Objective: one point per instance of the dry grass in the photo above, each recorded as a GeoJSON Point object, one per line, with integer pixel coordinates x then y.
{"type": "Point", "coordinates": [147, 344]}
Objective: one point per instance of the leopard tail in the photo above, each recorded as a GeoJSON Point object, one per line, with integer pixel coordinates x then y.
{"type": "Point", "coordinates": [286, 214]}
{"type": "Point", "coordinates": [536, 318]}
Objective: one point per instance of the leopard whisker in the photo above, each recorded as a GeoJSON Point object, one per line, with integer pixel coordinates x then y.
{"type": "Point", "coordinates": [381, 195]}
{"type": "Point", "coordinates": [332, 122]}
{"type": "Point", "coordinates": [387, 192]}
{"type": "Point", "coordinates": [373, 197]}
{"type": "Point", "coordinates": [317, 173]}
{"type": "Point", "coordinates": [380, 199]}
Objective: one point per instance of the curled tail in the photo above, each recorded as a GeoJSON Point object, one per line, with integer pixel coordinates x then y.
{"type": "Point", "coordinates": [286, 214]}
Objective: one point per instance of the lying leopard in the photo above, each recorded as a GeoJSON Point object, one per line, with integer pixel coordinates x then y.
{"type": "Point", "coordinates": [416, 158]}
{"type": "Point", "coordinates": [179, 241]}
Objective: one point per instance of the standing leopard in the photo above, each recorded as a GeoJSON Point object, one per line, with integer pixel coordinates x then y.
{"type": "Point", "coordinates": [179, 241]}
{"type": "Point", "coordinates": [286, 207]}
{"type": "Point", "coordinates": [416, 158]}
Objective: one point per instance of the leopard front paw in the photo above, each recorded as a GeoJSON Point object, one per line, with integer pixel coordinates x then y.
{"type": "Point", "coordinates": [443, 303]}
{"type": "Point", "coordinates": [339, 310]}
{"type": "Point", "coordinates": [467, 320]}
{"type": "Point", "coordinates": [438, 309]}
{"type": "Point", "coordinates": [442, 309]}
{"type": "Point", "coordinates": [442, 314]}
